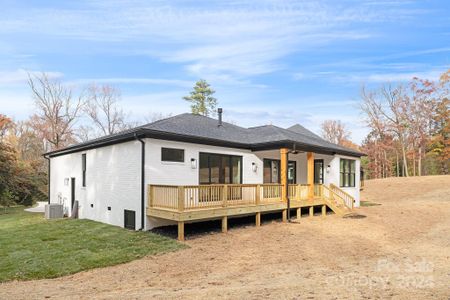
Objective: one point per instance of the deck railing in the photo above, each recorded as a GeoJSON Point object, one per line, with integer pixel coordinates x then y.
{"type": "Point", "coordinates": [188, 197]}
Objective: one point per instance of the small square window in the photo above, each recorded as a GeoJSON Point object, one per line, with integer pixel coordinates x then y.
{"type": "Point", "coordinates": [171, 154]}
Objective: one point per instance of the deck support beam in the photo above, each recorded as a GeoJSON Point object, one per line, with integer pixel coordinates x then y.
{"type": "Point", "coordinates": [299, 213]}
{"type": "Point", "coordinates": [258, 219]}
{"type": "Point", "coordinates": [310, 174]}
{"type": "Point", "coordinates": [180, 230]}
{"type": "Point", "coordinates": [324, 210]}
{"type": "Point", "coordinates": [224, 224]}
{"type": "Point", "coordinates": [284, 215]}
{"type": "Point", "coordinates": [311, 211]}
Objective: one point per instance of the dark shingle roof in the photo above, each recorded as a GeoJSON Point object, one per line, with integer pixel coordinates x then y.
{"type": "Point", "coordinates": [199, 129]}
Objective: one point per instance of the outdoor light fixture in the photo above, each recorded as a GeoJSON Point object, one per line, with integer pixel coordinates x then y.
{"type": "Point", "coordinates": [328, 168]}
{"type": "Point", "coordinates": [254, 167]}
{"type": "Point", "coordinates": [66, 181]}
{"type": "Point", "coordinates": [193, 163]}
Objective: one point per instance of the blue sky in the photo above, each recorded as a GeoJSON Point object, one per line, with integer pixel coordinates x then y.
{"type": "Point", "coordinates": [279, 62]}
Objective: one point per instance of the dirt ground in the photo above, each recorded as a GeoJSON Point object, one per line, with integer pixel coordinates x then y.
{"type": "Point", "coordinates": [400, 250]}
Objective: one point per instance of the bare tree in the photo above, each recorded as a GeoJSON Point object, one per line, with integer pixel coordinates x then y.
{"type": "Point", "coordinates": [103, 109]}
{"type": "Point", "coordinates": [335, 132]}
{"type": "Point", "coordinates": [57, 110]}
{"type": "Point", "coordinates": [387, 111]}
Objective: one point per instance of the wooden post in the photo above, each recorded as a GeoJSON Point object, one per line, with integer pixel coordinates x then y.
{"type": "Point", "coordinates": [224, 224]}
{"type": "Point", "coordinates": [258, 194]}
{"type": "Point", "coordinates": [225, 195]}
{"type": "Point", "coordinates": [180, 230]}
{"type": "Point", "coordinates": [311, 211]}
{"type": "Point", "coordinates": [181, 198]}
{"type": "Point", "coordinates": [283, 173]}
{"type": "Point", "coordinates": [151, 195]}
{"type": "Point", "coordinates": [310, 174]}
{"type": "Point", "coordinates": [299, 213]}
{"type": "Point", "coordinates": [284, 215]}
{"type": "Point", "coordinates": [258, 219]}
{"type": "Point", "coordinates": [324, 210]}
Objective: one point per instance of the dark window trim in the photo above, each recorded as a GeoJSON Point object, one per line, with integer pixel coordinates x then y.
{"type": "Point", "coordinates": [349, 174]}
{"type": "Point", "coordinates": [270, 160]}
{"type": "Point", "coordinates": [231, 166]}
{"type": "Point", "coordinates": [83, 167]}
{"type": "Point", "coordinates": [295, 170]}
{"type": "Point", "coordinates": [168, 148]}
{"type": "Point", "coordinates": [323, 174]}
{"type": "Point", "coordinates": [279, 169]}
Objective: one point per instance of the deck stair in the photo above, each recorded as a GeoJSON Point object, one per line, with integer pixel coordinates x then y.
{"type": "Point", "coordinates": [340, 202]}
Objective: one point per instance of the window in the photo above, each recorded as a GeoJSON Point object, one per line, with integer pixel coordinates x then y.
{"type": "Point", "coordinates": [292, 170]}
{"type": "Point", "coordinates": [83, 167]}
{"type": "Point", "coordinates": [272, 171]}
{"type": "Point", "coordinates": [220, 169]}
{"type": "Point", "coordinates": [318, 171]}
{"type": "Point", "coordinates": [347, 172]}
{"type": "Point", "coordinates": [171, 154]}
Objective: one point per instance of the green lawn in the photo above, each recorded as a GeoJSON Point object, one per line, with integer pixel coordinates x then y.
{"type": "Point", "coordinates": [32, 247]}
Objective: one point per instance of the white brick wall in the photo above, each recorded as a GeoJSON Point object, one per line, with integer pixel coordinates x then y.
{"type": "Point", "coordinates": [112, 179]}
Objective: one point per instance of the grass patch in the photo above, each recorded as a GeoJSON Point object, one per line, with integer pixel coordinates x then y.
{"type": "Point", "coordinates": [368, 203]}
{"type": "Point", "coordinates": [35, 248]}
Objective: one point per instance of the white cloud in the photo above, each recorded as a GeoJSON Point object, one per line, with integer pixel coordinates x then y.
{"type": "Point", "coordinates": [133, 80]}
{"type": "Point", "coordinates": [20, 76]}
{"type": "Point", "coordinates": [237, 38]}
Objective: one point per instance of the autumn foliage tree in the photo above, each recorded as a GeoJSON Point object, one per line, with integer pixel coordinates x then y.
{"type": "Point", "coordinates": [409, 124]}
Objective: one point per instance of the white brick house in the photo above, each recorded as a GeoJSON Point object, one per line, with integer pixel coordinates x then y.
{"type": "Point", "coordinates": [110, 177]}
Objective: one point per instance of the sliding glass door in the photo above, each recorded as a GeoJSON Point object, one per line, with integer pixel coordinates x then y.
{"type": "Point", "coordinates": [220, 169]}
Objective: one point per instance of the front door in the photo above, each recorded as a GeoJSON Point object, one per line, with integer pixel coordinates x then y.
{"type": "Point", "coordinates": [318, 171]}
{"type": "Point", "coordinates": [72, 193]}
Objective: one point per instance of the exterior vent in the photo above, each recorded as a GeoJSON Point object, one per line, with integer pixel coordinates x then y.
{"type": "Point", "coordinates": [219, 113]}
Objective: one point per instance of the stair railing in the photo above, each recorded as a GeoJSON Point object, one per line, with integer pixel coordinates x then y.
{"type": "Point", "coordinates": [349, 200]}
{"type": "Point", "coordinates": [328, 193]}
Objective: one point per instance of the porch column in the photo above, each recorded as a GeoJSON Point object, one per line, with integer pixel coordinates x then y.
{"type": "Point", "coordinates": [310, 174]}
{"type": "Point", "coordinates": [283, 172]}
{"type": "Point", "coordinates": [284, 180]}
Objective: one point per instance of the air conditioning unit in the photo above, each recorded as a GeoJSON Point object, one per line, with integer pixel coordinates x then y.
{"type": "Point", "coordinates": [54, 211]}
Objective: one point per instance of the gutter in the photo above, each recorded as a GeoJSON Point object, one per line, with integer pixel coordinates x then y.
{"type": "Point", "coordinates": [48, 174]}
{"type": "Point", "coordinates": [142, 180]}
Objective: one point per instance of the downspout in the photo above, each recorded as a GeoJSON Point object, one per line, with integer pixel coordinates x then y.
{"type": "Point", "coordinates": [48, 174]}
{"type": "Point", "coordinates": [142, 180]}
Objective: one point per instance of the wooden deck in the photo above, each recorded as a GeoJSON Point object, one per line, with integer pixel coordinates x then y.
{"type": "Point", "coordinates": [205, 202]}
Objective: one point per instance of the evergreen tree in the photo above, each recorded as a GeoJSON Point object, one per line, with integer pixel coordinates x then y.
{"type": "Point", "coordinates": [201, 99]}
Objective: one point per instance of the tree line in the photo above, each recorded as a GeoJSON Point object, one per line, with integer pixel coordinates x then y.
{"type": "Point", "coordinates": [65, 115]}
{"type": "Point", "coordinates": [409, 128]}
